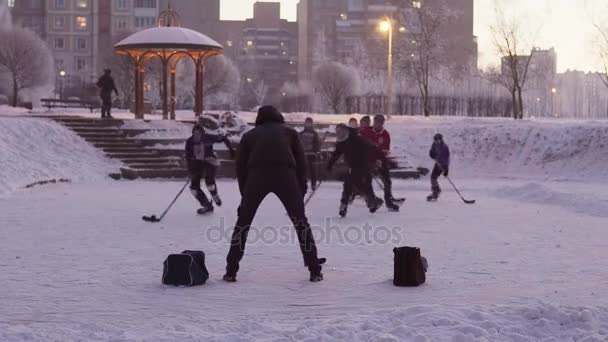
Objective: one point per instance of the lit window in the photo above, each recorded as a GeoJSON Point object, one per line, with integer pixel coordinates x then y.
{"type": "Point", "coordinates": [229, 43]}
{"type": "Point", "coordinates": [282, 43]}
{"type": "Point", "coordinates": [81, 22]}
{"type": "Point", "coordinates": [249, 43]}
{"type": "Point", "coordinates": [83, 3]}
{"type": "Point", "coordinates": [11, 3]}
{"type": "Point", "coordinates": [417, 4]}
{"type": "Point", "coordinates": [343, 16]}
{"type": "Point", "coordinates": [284, 53]}
{"type": "Point", "coordinates": [59, 43]}
{"type": "Point", "coordinates": [290, 62]}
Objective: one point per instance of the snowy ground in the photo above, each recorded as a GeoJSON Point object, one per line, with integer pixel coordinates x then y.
{"type": "Point", "coordinates": [527, 263]}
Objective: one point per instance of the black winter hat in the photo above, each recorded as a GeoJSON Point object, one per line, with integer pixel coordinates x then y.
{"type": "Point", "coordinates": [438, 136]}
{"type": "Point", "coordinates": [268, 114]}
{"type": "Point", "coordinates": [198, 128]}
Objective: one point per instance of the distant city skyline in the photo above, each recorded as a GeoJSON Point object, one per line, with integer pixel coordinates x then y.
{"type": "Point", "coordinates": [563, 24]}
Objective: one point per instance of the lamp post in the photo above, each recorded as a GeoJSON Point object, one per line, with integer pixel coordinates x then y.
{"type": "Point", "coordinates": [61, 85]}
{"type": "Point", "coordinates": [386, 25]}
{"type": "Point", "coordinates": [553, 92]}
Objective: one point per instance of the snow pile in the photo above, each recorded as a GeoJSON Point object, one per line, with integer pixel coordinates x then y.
{"type": "Point", "coordinates": [12, 111]}
{"type": "Point", "coordinates": [504, 148]}
{"type": "Point", "coordinates": [34, 150]}
{"type": "Point", "coordinates": [160, 129]}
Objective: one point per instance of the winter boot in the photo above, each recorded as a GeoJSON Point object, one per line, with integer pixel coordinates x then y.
{"type": "Point", "coordinates": [208, 209]}
{"type": "Point", "coordinates": [316, 277]}
{"type": "Point", "coordinates": [375, 204]}
{"type": "Point", "coordinates": [391, 206]}
{"type": "Point", "coordinates": [322, 261]}
{"type": "Point", "coordinates": [343, 210]}
{"type": "Point", "coordinates": [216, 199]}
{"type": "Point", "coordinates": [398, 201]}
{"type": "Point", "coordinates": [229, 278]}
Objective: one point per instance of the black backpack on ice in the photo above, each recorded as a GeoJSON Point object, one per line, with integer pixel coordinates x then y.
{"type": "Point", "coordinates": [409, 267]}
{"type": "Point", "coordinates": [185, 269]}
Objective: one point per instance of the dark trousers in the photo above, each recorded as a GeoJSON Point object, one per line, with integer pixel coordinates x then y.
{"type": "Point", "coordinates": [198, 171]}
{"type": "Point", "coordinates": [311, 159]}
{"type": "Point", "coordinates": [437, 171]}
{"type": "Point", "coordinates": [284, 184]}
{"type": "Point", "coordinates": [106, 105]}
{"type": "Point", "coordinates": [385, 176]}
{"type": "Point", "coordinates": [359, 181]}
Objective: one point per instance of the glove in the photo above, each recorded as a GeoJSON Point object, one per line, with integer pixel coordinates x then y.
{"type": "Point", "coordinates": [446, 171]}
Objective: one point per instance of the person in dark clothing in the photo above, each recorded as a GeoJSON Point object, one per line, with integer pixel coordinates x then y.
{"type": "Point", "coordinates": [107, 86]}
{"type": "Point", "coordinates": [440, 153]}
{"type": "Point", "coordinates": [380, 137]}
{"type": "Point", "coordinates": [312, 147]}
{"type": "Point", "coordinates": [357, 154]}
{"type": "Point", "coordinates": [270, 159]}
{"type": "Point", "coordinates": [202, 161]}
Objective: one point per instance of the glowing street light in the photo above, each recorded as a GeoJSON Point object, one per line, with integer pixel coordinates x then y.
{"type": "Point", "coordinates": [386, 25]}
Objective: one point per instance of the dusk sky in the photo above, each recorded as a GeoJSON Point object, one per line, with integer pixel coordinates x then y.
{"type": "Point", "coordinates": [563, 24]}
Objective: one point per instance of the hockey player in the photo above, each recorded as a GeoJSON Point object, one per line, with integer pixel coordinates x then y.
{"type": "Point", "coordinates": [380, 137]}
{"type": "Point", "coordinates": [202, 162]}
{"type": "Point", "coordinates": [440, 153]}
{"type": "Point", "coordinates": [312, 147]}
{"type": "Point", "coordinates": [358, 154]}
{"type": "Point", "coordinates": [270, 159]}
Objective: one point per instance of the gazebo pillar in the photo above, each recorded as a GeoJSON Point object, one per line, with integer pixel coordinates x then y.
{"type": "Point", "coordinates": [136, 110]}
{"type": "Point", "coordinates": [198, 89]}
{"type": "Point", "coordinates": [202, 82]}
{"type": "Point", "coordinates": [164, 90]}
{"type": "Point", "coordinates": [173, 69]}
{"type": "Point", "coordinates": [140, 90]}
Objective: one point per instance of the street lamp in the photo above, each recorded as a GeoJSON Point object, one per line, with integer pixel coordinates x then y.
{"type": "Point", "coordinates": [386, 25]}
{"type": "Point", "coordinates": [61, 84]}
{"type": "Point", "coordinates": [553, 92]}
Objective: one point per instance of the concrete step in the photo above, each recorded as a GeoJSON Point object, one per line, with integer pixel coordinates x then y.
{"type": "Point", "coordinates": [71, 121]}
{"type": "Point", "coordinates": [152, 142]}
{"type": "Point", "coordinates": [148, 173]}
{"type": "Point", "coordinates": [133, 132]}
{"type": "Point", "coordinates": [155, 166]}
{"type": "Point", "coordinates": [99, 129]}
{"type": "Point", "coordinates": [126, 149]}
{"type": "Point", "coordinates": [151, 160]}
{"type": "Point", "coordinates": [126, 155]}
{"type": "Point", "coordinates": [113, 134]}
{"type": "Point", "coordinates": [117, 145]}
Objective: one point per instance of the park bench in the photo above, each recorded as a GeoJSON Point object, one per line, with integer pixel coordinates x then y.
{"type": "Point", "coordinates": [60, 103]}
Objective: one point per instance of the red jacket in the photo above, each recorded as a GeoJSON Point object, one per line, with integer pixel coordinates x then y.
{"type": "Point", "coordinates": [382, 139]}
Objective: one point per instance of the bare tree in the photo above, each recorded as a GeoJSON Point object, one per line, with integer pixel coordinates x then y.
{"type": "Point", "coordinates": [221, 78]}
{"type": "Point", "coordinates": [334, 82]}
{"type": "Point", "coordinates": [421, 51]}
{"type": "Point", "coordinates": [510, 42]}
{"type": "Point", "coordinates": [602, 46]}
{"type": "Point", "coordinates": [26, 59]}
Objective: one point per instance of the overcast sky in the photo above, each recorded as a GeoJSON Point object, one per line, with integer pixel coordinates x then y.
{"type": "Point", "coordinates": [563, 24]}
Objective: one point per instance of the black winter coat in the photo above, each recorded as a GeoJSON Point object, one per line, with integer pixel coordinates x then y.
{"type": "Point", "coordinates": [358, 152]}
{"type": "Point", "coordinates": [310, 141]}
{"type": "Point", "coordinates": [270, 145]}
{"type": "Point", "coordinates": [106, 85]}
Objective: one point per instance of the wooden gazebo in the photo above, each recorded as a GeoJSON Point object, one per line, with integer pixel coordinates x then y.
{"type": "Point", "coordinates": [169, 42]}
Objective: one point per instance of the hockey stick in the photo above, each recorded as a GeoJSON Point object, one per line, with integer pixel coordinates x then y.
{"type": "Point", "coordinates": [459, 194]}
{"type": "Point", "coordinates": [154, 219]}
{"type": "Point", "coordinates": [312, 194]}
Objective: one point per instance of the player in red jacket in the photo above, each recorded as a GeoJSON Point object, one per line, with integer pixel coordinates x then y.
{"type": "Point", "coordinates": [380, 137]}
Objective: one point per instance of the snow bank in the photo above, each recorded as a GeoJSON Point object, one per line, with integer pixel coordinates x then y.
{"type": "Point", "coordinates": [33, 149]}
{"type": "Point", "coordinates": [12, 111]}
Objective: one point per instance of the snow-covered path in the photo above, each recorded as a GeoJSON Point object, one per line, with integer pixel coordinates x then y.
{"type": "Point", "coordinates": [526, 263]}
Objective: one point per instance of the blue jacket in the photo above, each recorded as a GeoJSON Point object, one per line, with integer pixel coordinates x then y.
{"type": "Point", "coordinates": [440, 152]}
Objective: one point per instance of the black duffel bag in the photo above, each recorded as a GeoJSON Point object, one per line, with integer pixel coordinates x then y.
{"type": "Point", "coordinates": [410, 267]}
{"type": "Point", "coordinates": [185, 269]}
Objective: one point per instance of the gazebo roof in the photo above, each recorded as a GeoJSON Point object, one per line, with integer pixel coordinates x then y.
{"type": "Point", "coordinates": [168, 38]}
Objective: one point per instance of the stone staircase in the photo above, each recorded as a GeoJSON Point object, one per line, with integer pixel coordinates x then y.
{"type": "Point", "coordinates": [155, 158]}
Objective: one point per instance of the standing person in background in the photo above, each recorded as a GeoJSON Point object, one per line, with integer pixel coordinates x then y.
{"type": "Point", "coordinates": [353, 123]}
{"type": "Point", "coordinates": [202, 162]}
{"type": "Point", "coordinates": [107, 86]}
{"type": "Point", "coordinates": [312, 147]}
{"type": "Point", "coordinates": [380, 137]}
{"type": "Point", "coordinates": [440, 153]}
